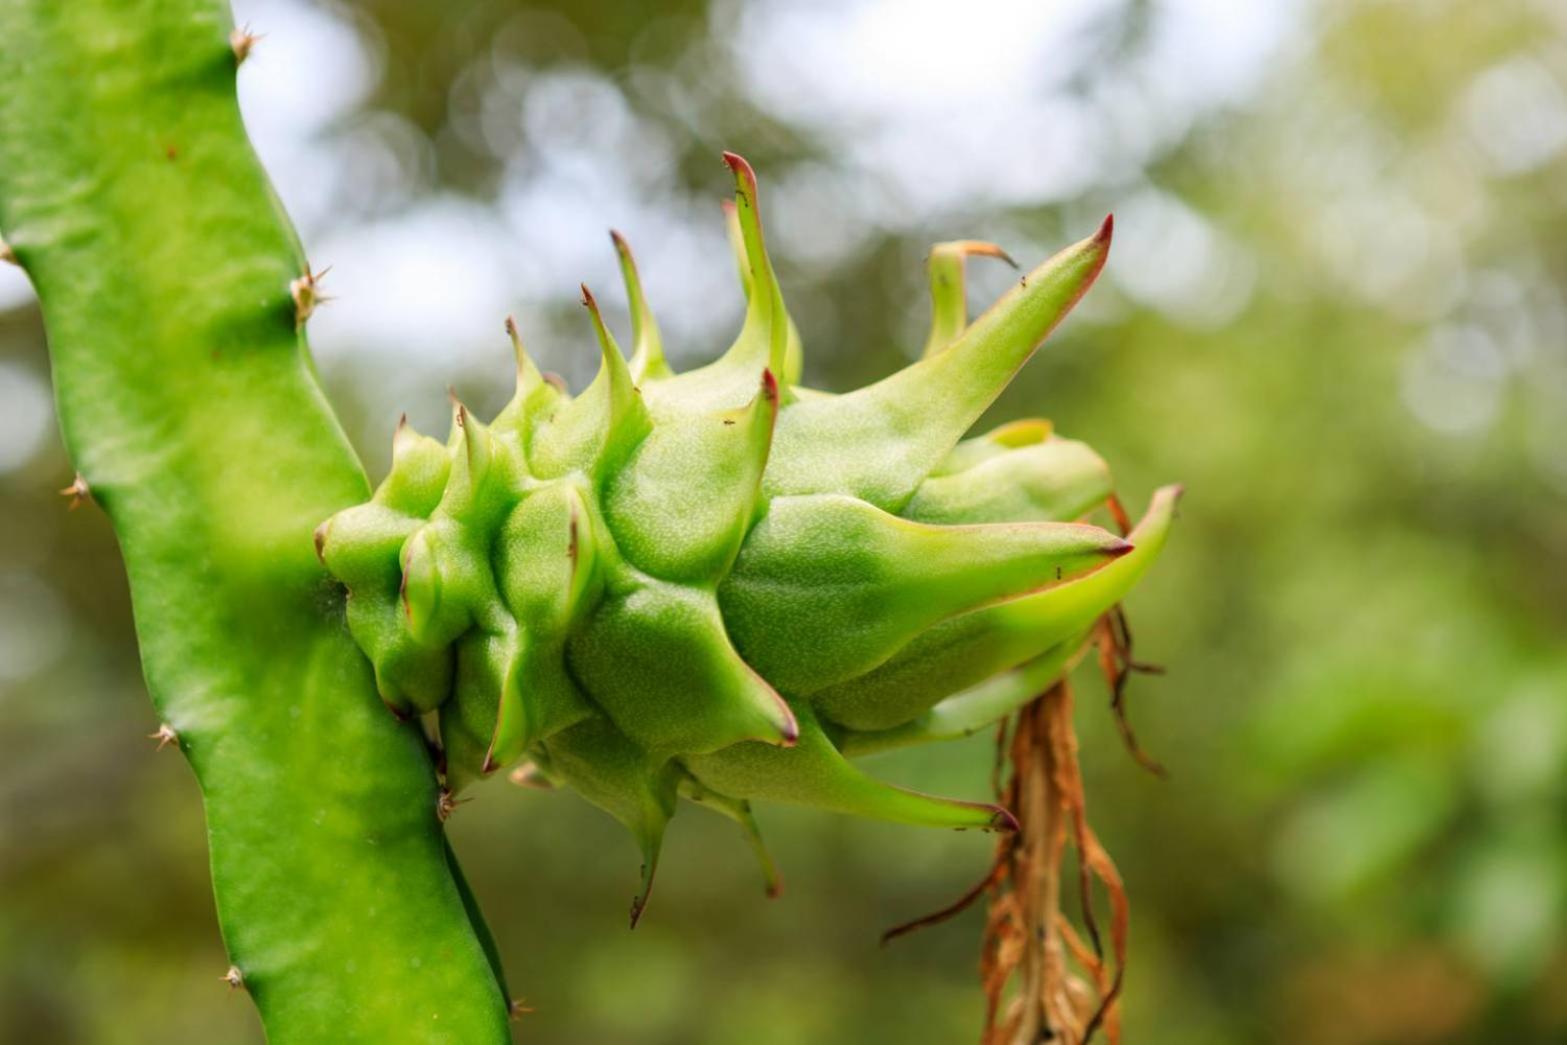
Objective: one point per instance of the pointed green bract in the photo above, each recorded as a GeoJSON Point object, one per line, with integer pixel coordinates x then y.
{"type": "Point", "coordinates": [1054, 479]}
{"type": "Point", "coordinates": [794, 352]}
{"type": "Point", "coordinates": [716, 584]}
{"type": "Point", "coordinates": [687, 496]}
{"type": "Point", "coordinates": [532, 404]}
{"type": "Point", "coordinates": [949, 291]}
{"type": "Point", "coordinates": [658, 661]}
{"type": "Point", "coordinates": [738, 810]}
{"type": "Point", "coordinates": [815, 773]}
{"type": "Point", "coordinates": [979, 707]}
{"type": "Point", "coordinates": [617, 776]}
{"type": "Point", "coordinates": [881, 442]}
{"type": "Point", "coordinates": [763, 343]}
{"type": "Point", "coordinates": [607, 420]}
{"type": "Point", "coordinates": [965, 650]}
{"type": "Point", "coordinates": [980, 448]}
{"type": "Point", "coordinates": [827, 587]}
{"type": "Point", "coordinates": [647, 347]}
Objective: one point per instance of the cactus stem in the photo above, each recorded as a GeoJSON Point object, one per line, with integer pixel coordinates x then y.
{"type": "Point", "coordinates": [164, 736]}
{"type": "Point", "coordinates": [233, 977]}
{"type": "Point", "coordinates": [78, 492]}
{"type": "Point", "coordinates": [241, 40]}
{"type": "Point", "coordinates": [306, 292]}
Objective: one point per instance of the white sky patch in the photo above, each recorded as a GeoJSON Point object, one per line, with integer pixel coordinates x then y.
{"type": "Point", "coordinates": [1207, 53]}
{"type": "Point", "coordinates": [417, 285]}
{"type": "Point", "coordinates": [964, 110]}
{"type": "Point", "coordinates": [309, 69]}
{"type": "Point", "coordinates": [560, 221]}
{"type": "Point", "coordinates": [858, 62]}
{"type": "Point", "coordinates": [15, 289]}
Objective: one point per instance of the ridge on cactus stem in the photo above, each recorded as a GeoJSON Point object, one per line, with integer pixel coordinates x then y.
{"type": "Point", "coordinates": [718, 584]}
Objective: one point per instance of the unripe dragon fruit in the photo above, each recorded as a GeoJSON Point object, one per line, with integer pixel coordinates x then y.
{"type": "Point", "coordinates": [719, 584]}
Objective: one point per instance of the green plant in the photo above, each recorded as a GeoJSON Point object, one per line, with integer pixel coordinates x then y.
{"type": "Point", "coordinates": [715, 584]}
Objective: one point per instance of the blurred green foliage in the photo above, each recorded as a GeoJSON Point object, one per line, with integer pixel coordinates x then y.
{"type": "Point", "coordinates": [1337, 310]}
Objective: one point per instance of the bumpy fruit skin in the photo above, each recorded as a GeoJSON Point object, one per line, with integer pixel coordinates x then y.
{"type": "Point", "coordinates": [718, 583]}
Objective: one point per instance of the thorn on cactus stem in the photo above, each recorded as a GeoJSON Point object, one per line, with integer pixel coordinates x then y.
{"type": "Point", "coordinates": [445, 804]}
{"type": "Point", "coordinates": [7, 254]}
{"type": "Point", "coordinates": [77, 492]}
{"type": "Point", "coordinates": [241, 40]}
{"type": "Point", "coordinates": [517, 1009]}
{"type": "Point", "coordinates": [306, 292]}
{"type": "Point", "coordinates": [164, 736]}
{"type": "Point", "coordinates": [320, 541]}
{"type": "Point", "coordinates": [234, 978]}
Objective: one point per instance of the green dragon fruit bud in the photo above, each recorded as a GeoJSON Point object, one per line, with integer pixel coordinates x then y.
{"type": "Point", "coordinates": [718, 584]}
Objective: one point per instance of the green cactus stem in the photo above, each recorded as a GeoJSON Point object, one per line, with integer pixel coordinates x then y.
{"type": "Point", "coordinates": [172, 290]}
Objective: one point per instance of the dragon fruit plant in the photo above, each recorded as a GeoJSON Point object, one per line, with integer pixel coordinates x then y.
{"type": "Point", "coordinates": [719, 585]}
